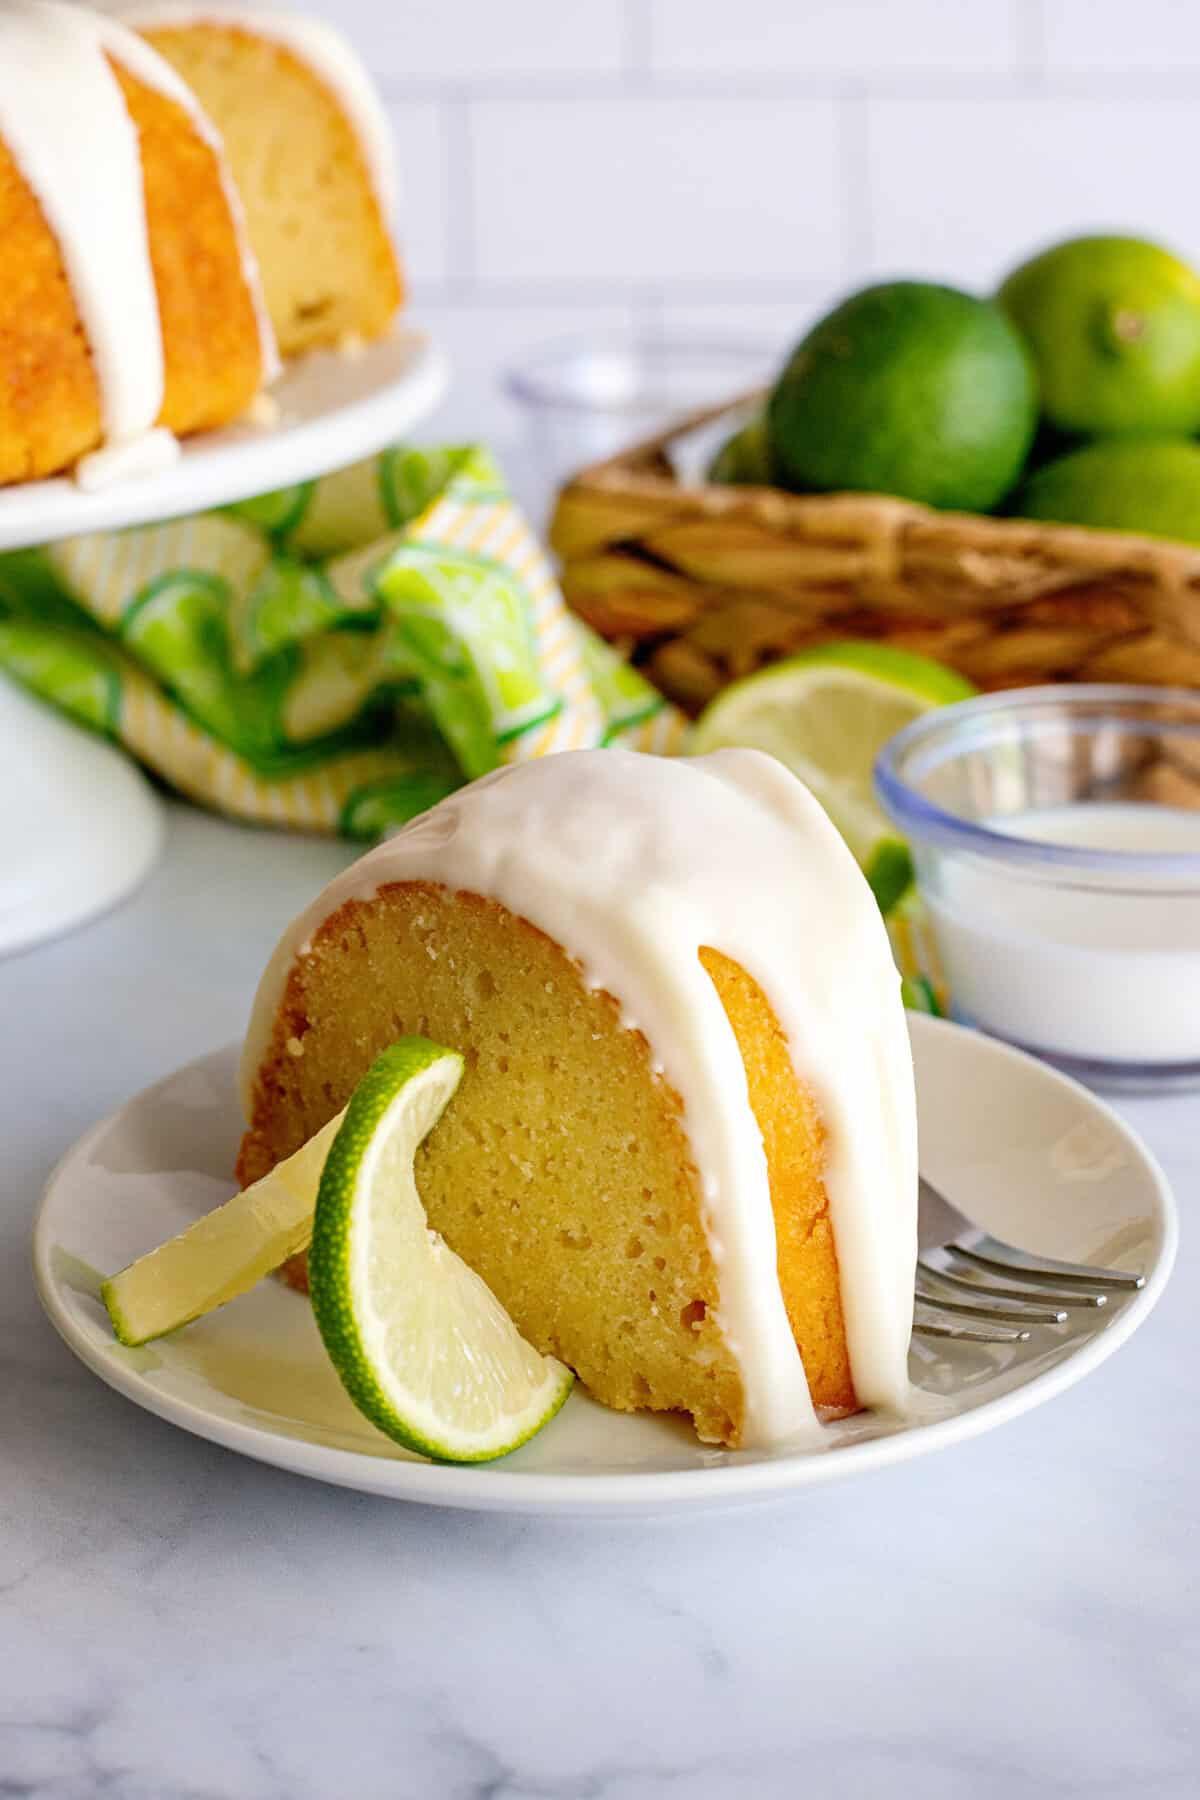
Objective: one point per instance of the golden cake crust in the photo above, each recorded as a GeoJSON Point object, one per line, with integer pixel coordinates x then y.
{"type": "Point", "coordinates": [214, 363]}
{"type": "Point", "coordinates": [50, 407]}
{"type": "Point", "coordinates": [49, 395]}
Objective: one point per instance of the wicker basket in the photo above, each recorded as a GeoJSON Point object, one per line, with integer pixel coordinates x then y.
{"type": "Point", "coordinates": [701, 585]}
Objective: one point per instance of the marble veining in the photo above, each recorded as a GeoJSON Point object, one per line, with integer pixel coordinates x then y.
{"type": "Point", "coordinates": [1015, 1617]}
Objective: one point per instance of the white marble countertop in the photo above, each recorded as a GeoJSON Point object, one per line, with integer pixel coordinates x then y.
{"type": "Point", "coordinates": [1017, 1616]}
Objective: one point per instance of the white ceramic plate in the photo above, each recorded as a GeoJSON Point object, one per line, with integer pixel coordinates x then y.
{"type": "Point", "coordinates": [333, 409]}
{"type": "Point", "coordinates": [1033, 1156]}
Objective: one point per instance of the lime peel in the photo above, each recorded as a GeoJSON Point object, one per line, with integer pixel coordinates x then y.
{"type": "Point", "coordinates": [889, 873]}
{"type": "Point", "coordinates": [421, 1344]}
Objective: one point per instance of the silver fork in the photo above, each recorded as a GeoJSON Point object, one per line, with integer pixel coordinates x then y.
{"type": "Point", "coordinates": [981, 1290]}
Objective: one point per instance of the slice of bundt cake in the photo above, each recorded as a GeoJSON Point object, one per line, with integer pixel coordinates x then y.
{"type": "Point", "coordinates": [128, 293]}
{"type": "Point", "coordinates": [683, 1154]}
{"type": "Point", "coordinates": [311, 154]}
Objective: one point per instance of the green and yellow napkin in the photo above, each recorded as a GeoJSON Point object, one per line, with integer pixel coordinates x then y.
{"type": "Point", "coordinates": [335, 656]}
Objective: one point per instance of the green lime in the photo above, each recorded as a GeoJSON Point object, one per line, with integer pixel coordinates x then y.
{"type": "Point", "coordinates": [909, 389]}
{"type": "Point", "coordinates": [889, 872]}
{"type": "Point", "coordinates": [745, 460]}
{"type": "Point", "coordinates": [225, 1253]}
{"type": "Point", "coordinates": [1049, 444]}
{"type": "Point", "coordinates": [826, 714]}
{"type": "Point", "coordinates": [422, 1345]}
{"type": "Point", "coordinates": [1124, 484]}
{"type": "Point", "coordinates": [1114, 327]}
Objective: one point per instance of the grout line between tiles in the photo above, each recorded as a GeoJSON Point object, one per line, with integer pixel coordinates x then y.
{"type": "Point", "coordinates": [1029, 19]}
{"type": "Point", "coordinates": [638, 46]}
{"type": "Point", "coordinates": [650, 295]}
{"type": "Point", "coordinates": [1026, 83]}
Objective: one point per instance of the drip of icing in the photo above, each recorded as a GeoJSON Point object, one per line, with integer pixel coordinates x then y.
{"type": "Point", "coordinates": [633, 864]}
{"type": "Point", "coordinates": [145, 455]}
{"type": "Point", "coordinates": [321, 48]}
{"type": "Point", "coordinates": [155, 72]}
{"type": "Point", "coordinates": [264, 411]}
{"type": "Point", "coordinates": [65, 122]}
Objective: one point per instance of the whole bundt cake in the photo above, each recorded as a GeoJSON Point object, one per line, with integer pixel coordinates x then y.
{"type": "Point", "coordinates": [683, 1154]}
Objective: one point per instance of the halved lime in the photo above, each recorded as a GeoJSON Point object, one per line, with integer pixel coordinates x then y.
{"type": "Point", "coordinates": [826, 713]}
{"type": "Point", "coordinates": [224, 1253]}
{"type": "Point", "coordinates": [422, 1345]}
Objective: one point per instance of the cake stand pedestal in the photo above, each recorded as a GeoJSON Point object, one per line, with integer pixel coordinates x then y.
{"type": "Point", "coordinates": [78, 820]}
{"type": "Point", "coordinates": [79, 823]}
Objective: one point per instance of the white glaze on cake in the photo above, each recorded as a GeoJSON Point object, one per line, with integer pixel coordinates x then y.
{"type": "Point", "coordinates": [321, 48]}
{"type": "Point", "coordinates": [64, 120]}
{"type": "Point", "coordinates": [633, 864]}
{"type": "Point", "coordinates": [113, 463]}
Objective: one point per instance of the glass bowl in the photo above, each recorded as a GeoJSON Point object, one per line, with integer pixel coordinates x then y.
{"type": "Point", "coordinates": [1056, 837]}
{"type": "Point", "coordinates": [584, 401]}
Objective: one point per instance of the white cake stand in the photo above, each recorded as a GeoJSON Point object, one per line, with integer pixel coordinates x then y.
{"type": "Point", "coordinates": [80, 825]}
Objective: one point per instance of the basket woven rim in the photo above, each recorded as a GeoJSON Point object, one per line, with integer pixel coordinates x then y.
{"type": "Point", "coordinates": [637, 473]}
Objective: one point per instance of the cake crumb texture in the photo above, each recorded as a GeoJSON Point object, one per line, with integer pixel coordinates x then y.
{"type": "Point", "coordinates": [560, 1171]}
{"type": "Point", "coordinates": [328, 267]}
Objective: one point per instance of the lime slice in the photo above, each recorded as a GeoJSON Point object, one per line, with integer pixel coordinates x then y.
{"type": "Point", "coordinates": [224, 1253]}
{"type": "Point", "coordinates": [826, 714]}
{"type": "Point", "coordinates": [422, 1345]}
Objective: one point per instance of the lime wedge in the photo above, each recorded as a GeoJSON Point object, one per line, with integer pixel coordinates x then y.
{"type": "Point", "coordinates": [422, 1345]}
{"type": "Point", "coordinates": [224, 1253]}
{"type": "Point", "coordinates": [826, 714]}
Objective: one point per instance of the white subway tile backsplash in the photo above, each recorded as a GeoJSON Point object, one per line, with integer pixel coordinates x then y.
{"type": "Point", "coordinates": [963, 189]}
{"type": "Point", "coordinates": [475, 43]}
{"type": "Point", "coordinates": [727, 170]}
{"type": "Point", "coordinates": [853, 38]}
{"type": "Point", "coordinates": [423, 214]}
{"type": "Point", "coordinates": [1110, 37]}
{"type": "Point", "coordinates": [635, 191]}
{"type": "Point", "coordinates": [772, 326]}
{"type": "Point", "coordinates": [484, 339]}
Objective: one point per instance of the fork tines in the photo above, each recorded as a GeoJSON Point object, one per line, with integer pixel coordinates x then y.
{"type": "Point", "coordinates": [1030, 1291]}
